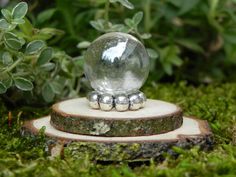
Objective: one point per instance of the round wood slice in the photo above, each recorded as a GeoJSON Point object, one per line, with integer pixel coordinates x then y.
{"type": "Point", "coordinates": [75, 116]}
{"type": "Point", "coordinates": [192, 132]}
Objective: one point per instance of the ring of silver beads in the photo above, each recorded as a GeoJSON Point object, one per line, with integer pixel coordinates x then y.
{"type": "Point", "coordinates": [120, 102]}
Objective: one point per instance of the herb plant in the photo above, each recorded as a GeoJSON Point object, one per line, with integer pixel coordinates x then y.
{"type": "Point", "coordinates": [29, 64]}
{"type": "Point", "coordinates": [195, 40]}
{"type": "Point", "coordinates": [130, 25]}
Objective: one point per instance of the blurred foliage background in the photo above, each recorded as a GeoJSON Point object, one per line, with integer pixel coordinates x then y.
{"type": "Point", "coordinates": [190, 40]}
{"type": "Point", "coordinates": [192, 48]}
{"type": "Point", "coordinates": [196, 39]}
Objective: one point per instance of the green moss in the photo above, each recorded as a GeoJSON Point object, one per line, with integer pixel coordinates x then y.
{"type": "Point", "coordinates": [21, 156]}
{"type": "Point", "coordinates": [134, 147]}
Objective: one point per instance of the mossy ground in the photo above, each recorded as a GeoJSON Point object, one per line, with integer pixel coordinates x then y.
{"type": "Point", "coordinates": [24, 156]}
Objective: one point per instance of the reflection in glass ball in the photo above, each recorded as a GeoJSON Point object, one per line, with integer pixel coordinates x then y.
{"type": "Point", "coordinates": [116, 63]}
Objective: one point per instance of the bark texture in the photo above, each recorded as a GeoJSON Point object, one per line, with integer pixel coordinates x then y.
{"type": "Point", "coordinates": [128, 151]}
{"type": "Point", "coordinates": [116, 127]}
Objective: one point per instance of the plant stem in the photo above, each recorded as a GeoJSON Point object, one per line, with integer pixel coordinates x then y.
{"type": "Point", "coordinates": [13, 65]}
{"type": "Point", "coordinates": [139, 35]}
{"type": "Point", "coordinates": [147, 17]}
{"type": "Point", "coordinates": [67, 13]}
{"type": "Point", "coordinates": [106, 15]}
{"type": "Point", "coordinates": [212, 14]}
{"type": "Point", "coordinates": [1, 35]}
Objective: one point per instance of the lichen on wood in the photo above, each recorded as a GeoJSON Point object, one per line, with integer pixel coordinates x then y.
{"type": "Point", "coordinates": [125, 148]}
{"type": "Point", "coordinates": [103, 125]}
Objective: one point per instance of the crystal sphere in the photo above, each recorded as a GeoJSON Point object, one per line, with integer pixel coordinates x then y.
{"type": "Point", "coordinates": [116, 63]}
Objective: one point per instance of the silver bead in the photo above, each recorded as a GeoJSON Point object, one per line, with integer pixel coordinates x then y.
{"type": "Point", "coordinates": [106, 102]}
{"type": "Point", "coordinates": [93, 99]}
{"type": "Point", "coordinates": [143, 98]}
{"type": "Point", "coordinates": [121, 103]}
{"type": "Point", "coordinates": [135, 102]}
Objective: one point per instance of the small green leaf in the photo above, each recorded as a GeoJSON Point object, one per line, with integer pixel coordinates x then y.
{"type": "Point", "coordinates": [20, 10]}
{"type": "Point", "coordinates": [137, 18]}
{"type": "Point", "coordinates": [48, 66]}
{"type": "Point", "coordinates": [176, 61]}
{"type": "Point", "coordinates": [22, 41]}
{"type": "Point", "coordinates": [152, 53]}
{"type": "Point", "coordinates": [4, 25]}
{"type": "Point", "coordinates": [7, 14]}
{"type": "Point", "coordinates": [185, 6]}
{"type": "Point", "coordinates": [7, 82]}
{"type": "Point", "coordinates": [118, 28]}
{"type": "Point", "coordinates": [190, 44]}
{"type": "Point", "coordinates": [56, 87]}
{"type": "Point", "coordinates": [168, 68]}
{"type": "Point", "coordinates": [129, 22]}
{"type": "Point", "coordinates": [13, 43]}
{"type": "Point", "coordinates": [26, 28]}
{"type": "Point", "coordinates": [7, 58]}
{"type": "Point", "coordinates": [34, 47]}
{"type": "Point", "coordinates": [18, 21]}
{"type": "Point", "coordinates": [83, 44]}
{"type": "Point", "coordinates": [125, 3]}
{"type": "Point", "coordinates": [10, 35]}
{"type": "Point", "coordinates": [3, 88]}
{"type": "Point", "coordinates": [169, 57]}
{"type": "Point", "coordinates": [52, 31]}
{"type": "Point", "coordinates": [45, 15]}
{"type": "Point", "coordinates": [47, 93]}
{"type": "Point", "coordinates": [98, 25]}
{"type": "Point", "coordinates": [146, 36]}
{"type": "Point", "coordinates": [65, 66]}
{"type": "Point", "coordinates": [47, 33]}
{"type": "Point", "coordinates": [23, 84]}
{"type": "Point", "coordinates": [79, 64]}
{"type": "Point", "coordinates": [45, 56]}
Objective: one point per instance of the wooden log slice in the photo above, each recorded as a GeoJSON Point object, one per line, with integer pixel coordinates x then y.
{"type": "Point", "coordinates": [192, 132]}
{"type": "Point", "coordinates": [75, 116]}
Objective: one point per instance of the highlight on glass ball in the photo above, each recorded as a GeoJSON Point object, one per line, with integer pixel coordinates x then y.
{"type": "Point", "coordinates": [116, 65]}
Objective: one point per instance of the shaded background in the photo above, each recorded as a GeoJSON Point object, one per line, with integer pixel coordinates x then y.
{"type": "Point", "coordinates": [202, 34]}
{"type": "Point", "coordinates": [190, 40]}
{"type": "Point", "coordinates": [192, 66]}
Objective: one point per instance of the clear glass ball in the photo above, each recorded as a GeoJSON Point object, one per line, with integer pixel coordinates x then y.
{"type": "Point", "coordinates": [116, 63]}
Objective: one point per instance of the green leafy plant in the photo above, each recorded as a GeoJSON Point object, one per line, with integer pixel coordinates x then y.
{"type": "Point", "coordinates": [192, 38]}
{"type": "Point", "coordinates": [130, 25]}
{"type": "Point", "coordinates": [29, 64]}
{"type": "Point", "coordinates": [199, 35]}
